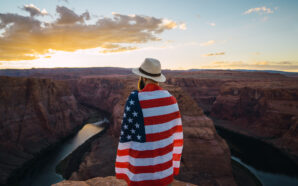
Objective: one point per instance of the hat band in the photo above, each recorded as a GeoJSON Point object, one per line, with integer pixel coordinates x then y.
{"type": "Point", "coordinates": [147, 73]}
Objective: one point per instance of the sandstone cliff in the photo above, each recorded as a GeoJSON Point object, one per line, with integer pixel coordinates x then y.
{"type": "Point", "coordinates": [35, 114]}
{"type": "Point", "coordinates": [267, 111]}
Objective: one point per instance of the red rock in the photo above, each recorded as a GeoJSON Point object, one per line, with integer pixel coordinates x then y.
{"type": "Point", "coordinates": [265, 110]}
{"type": "Point", "coordinates": [35, 113]}
{"type": "Point", "coordinates": [108, 181]}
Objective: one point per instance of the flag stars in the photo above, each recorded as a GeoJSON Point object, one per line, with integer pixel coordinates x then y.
{"type": "Point", "coordinates": [130, 120]}
{"type": "Point", "coordinates": [127, 108]}
{"type": "Point", "coordinates": [125, 126]}
{"type": "Point", "coordinates": [133, 131]}
{"type": "Point", "coordinates": [131, 102]}
{"type": "Point", "coordinates": [135, 114]}
{"type": "Point", "coordinates": [128, 137]}
{"type": "Point", "coordinates": [139, 137]}
{"type": "Point", "coordinates": [124, 115]}
{"type": "Point", "coordinates": [137, 125]}
{"type": "Point", "coordinates": [122, 132]}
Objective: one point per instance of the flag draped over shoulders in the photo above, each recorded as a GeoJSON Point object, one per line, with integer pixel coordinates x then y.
{"type": "Point", "coordinates": [151, 138]}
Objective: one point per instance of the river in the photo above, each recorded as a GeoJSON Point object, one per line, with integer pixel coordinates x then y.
{"type": "Point", "coordinates": [267, 163]}
{"type": "Point", "coordinates": [45, 174]}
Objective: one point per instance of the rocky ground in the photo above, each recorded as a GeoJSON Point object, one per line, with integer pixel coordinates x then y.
{"type": "Point", "coordinates": [108, 181]}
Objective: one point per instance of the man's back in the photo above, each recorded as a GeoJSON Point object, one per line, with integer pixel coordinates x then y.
{"type": "Point", "coordinates": [151, 139]}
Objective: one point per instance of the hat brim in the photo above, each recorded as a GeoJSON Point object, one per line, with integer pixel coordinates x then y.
{"type": "Point", "coordinates": [160, 78]}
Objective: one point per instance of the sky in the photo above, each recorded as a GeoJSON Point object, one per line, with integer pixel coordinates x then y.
{"type": "Point", "coordinates": [188, 34]}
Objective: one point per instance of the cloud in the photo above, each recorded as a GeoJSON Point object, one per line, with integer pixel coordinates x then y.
{"type": "Point", "coordinates": [210, 42]}
{"type": "Point", "coordinates": [259, 10]}
{"type": "Point", "coordinates": [260, 65]}
{"type": "Point", "coordinates": [119, 49]}
{"type": "Point", "coordinates": [68, 16]}
{"type": "Point", "coordinates": [211, 24]}
{"type": "Point", "coordinates": [213, 54]}
{"type": "Point", "coordinates": [182, 26]}
{"type": "Point", "coordinates": [34, 11]}
{"type": "Point", "coordinates": [26, 38]}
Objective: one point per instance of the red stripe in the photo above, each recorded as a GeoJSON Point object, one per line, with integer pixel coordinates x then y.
{"type": "Point", "coordinates": [178, 142]}
{"type": "Point", "coordinates": [145, 169]}
{"type": "Point", "coordinates": [161, 182]}
{"type": "Point", "coordinates": [146, 153]}
{"type": "Point", "coordinates": [176, 171]}
{"type": "Point", "coordinates": [176, 157]}
{"type": "Point", "coordinates": [158, 102]}
{"type": "Point", "coordinates": [150, 153]}
{"type": "Point", "coordinates": [161, 118]}
{"type": "Point", "coordinates": [164, 134]}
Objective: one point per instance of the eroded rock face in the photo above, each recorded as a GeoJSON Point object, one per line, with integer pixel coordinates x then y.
{"type": "Point", "coordinates": [35, 113]}
{"type": "Point", "coordinates": [259, 104]}
{"type": "Point", "coordinates": [268, 111]}
{"type": "Point", "coordinates": [108, 181]}
{"type": "Point", "coordinates": [205, 157]}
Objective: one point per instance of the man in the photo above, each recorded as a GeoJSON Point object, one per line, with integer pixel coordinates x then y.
{"type": "Point", "coordinates": [151, 136]}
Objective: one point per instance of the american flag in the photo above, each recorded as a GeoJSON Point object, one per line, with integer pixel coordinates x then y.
{"type": "Point", "coordinates": [151, 138]}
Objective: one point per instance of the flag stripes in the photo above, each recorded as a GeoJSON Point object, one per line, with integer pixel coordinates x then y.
{"type": "Point", "coordinates": [157, 160]}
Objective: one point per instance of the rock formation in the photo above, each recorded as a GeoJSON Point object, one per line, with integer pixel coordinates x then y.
{"type": "Point", "coordinates": [35, 114]}
{"type": "Point", "coordinates": [258, 104]}
{"type": "Point", "coordinates": [108, 181]}
{"type": "Point", "coordinates": [265, 110]}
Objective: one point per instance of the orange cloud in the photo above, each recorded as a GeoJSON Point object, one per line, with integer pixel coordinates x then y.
{"type": "Point", "coordinates": [119, 49]}
{"type": "Point", "coordinates": [27, 38]}
{"type": "Point", "coordinates": [262, 65]}
{"type": "Point", "coordinates": [213, 54]}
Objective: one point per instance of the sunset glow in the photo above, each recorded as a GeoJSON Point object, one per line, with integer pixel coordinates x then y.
{"type": "Point", "coordinates": [215, 34]}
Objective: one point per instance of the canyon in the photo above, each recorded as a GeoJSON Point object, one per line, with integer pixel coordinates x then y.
{"type": "Point", "coordinates": [256, 104]}
{"type": "Point", "coordinates": [38, 109]}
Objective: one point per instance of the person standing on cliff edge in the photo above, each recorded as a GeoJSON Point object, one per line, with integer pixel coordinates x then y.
{"type": "Point", "coordinates": [151, 137]}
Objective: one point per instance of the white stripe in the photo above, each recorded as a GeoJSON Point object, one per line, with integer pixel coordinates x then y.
{"type": "Point", "coordinates": [150, 145]}
{"type": "Point", "coordinates": [177, 150]}
{"type": "Point", "coordinates": [145, 161]}
{"type": "Point", "coordinates": [153, 94]}
{"type": "Point", "coordinates": [176, 164]}
{"type": "Point", "coordinates": [161, 110]}
{"type": "Point", "coordinates": [149, 129]}
{"type": "Point", "coordinates": [178, 135]}
{"type": "Point", "coordinates": [145, 176]}
{"type": "Point", "coordinates": [146, 146]}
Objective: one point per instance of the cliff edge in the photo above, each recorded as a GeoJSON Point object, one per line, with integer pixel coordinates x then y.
{"type": "Point", "coordinates": [108, 181]}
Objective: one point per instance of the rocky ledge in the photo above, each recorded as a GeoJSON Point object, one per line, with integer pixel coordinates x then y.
{"type": "Point", "coordinates": [108, 181]}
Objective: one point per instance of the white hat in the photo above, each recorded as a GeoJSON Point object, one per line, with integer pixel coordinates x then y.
{"type": "Point", "coordinates": [151, 69]}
